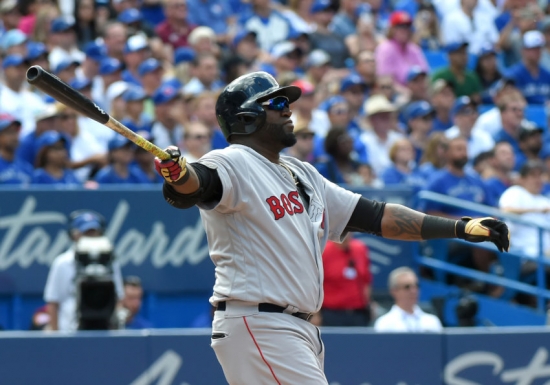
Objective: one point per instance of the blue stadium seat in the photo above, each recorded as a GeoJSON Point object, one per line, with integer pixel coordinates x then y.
{"type": "Point", "coordinates": [436, 59]}
{"type": "Point", "coordinates": [537, 114]}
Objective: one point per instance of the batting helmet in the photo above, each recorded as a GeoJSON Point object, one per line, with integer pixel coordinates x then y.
{"type": "Point", "coordinates": [238, 108]}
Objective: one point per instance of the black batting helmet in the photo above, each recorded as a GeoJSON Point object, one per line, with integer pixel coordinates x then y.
{"type": "Point", "coordinates": [238, 107]}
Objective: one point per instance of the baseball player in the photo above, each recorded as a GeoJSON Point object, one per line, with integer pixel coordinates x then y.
{"type": "Point", "coordinates": [267, 218]}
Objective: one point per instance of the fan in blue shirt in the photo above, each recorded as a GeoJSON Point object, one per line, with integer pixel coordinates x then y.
{"type": "Point", "coordinates": [455, 182]}
{"type": "Point", "coordinates": [529, 76]}
{"type": "Point", "coordinates": [136, 120]}
{"type": "Point", "coordinates": [212, 13]}
{"type": "Point", "coordinates": [120, 171]}
{"type": "Point", "coordinates": [12, 170]}
{"type": "Point", "coordinates": [52, 161]}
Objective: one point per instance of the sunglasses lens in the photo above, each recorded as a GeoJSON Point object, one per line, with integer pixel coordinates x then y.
{"type": "Point", "coordinates": [278, 104]}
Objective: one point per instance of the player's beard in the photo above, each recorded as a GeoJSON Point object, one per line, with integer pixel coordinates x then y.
{"type": "Point", "coordinates": [279, 135]}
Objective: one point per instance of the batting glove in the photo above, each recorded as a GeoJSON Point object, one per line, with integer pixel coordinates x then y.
{"type": "Point", "coordinates": [484, 229]}
{"type": "Point", "coordinates": [173, 170]}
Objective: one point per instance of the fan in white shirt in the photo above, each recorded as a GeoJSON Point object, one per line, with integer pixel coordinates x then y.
{"type": "Point", "coordinates": [406, 315]}
{"type": "Point", "coordinates": [197, 141]}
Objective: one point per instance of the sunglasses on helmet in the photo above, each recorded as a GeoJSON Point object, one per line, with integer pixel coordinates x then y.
{"type": "Point", "coordinates": [278, 103]}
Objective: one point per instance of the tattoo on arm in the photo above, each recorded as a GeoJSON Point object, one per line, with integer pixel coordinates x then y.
{"type": "Point", "coordinates": [403, 223]}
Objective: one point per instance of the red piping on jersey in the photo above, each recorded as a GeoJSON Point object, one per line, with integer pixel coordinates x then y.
{"type": "Point", "coordinates": [260, 351]}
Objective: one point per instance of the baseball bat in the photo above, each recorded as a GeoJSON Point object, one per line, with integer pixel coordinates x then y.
{"type": "Point", "coordinates": [62, 92]}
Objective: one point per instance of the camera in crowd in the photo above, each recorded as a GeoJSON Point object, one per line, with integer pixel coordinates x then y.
{"type": "Point", "coordinates": [95, 286]}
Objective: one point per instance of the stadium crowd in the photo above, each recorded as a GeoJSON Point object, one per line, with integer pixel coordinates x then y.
{"type": "Point", "coordinates": [449, 96]}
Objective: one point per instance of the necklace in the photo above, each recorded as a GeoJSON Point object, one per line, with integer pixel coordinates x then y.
{"type": "Point", "coordinates": [290, 172]}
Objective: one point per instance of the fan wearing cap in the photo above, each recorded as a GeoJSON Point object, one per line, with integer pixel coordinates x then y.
{"type": "Point", "coordinates": [487, 72]}
{"type": "Point", "coordinates": [136, 51]}
{"type": "Point", "coordinates": [245, 44]}
{"type": "Point", "coordinates": [37, 54]}
{"type": "Point", "coordinates": [203, 40]}
{"type": "Point", "coordinates": [464, 81]}
{"type": "Point", "coordinates": [133, 19]}
{"type": "Point", "coordinates": [13, 170]}
{"type": "Point", "coordinates": [65, 69]}
{"type": "Point", "coordinates": [203, 109]}
{"type": "Point", "coordinates": [396, 55]}
{"type": "Point", "coordinates": [13, 43]}
{"type": "Point", "coordinates": [52, 160]}
{"type": "Point", "coordinates": [419, 117]}
{"type": "Point", "coordinates": [206, 75]}
{"type": "Point", "coordinates": [530, 142]}
{"type": "Point", "coordinates": [354, 89]}
{"type": "Point", "coordinates": [45, 120]}
{"type": "Point", "coordinates": [465, 114]}
{"type": "Point", "coordinates": [470, 25]}
{"type": "Point", "coordinates": [15, 98]}
{"type": "Point", "coordinates": [286, 57]}
{"type": "Point", "coordinates": [120, 170]}
{"type": "Point", "coordinates": [317, 65]}
{"type": "Point", "coordinates": [62, 36]}
{"type": "Point", "coordinates": [442, 98]}
{"type": "Point", "coordinates": [150, 74]}
{"type": "Point", "coordinates": [135, 119]}
{"type": "Point", "coordinates": [528, 75]}
{"type": "Point", "coordinates": [323, 38]}
{"type": "Point", "coordinates": [526, 199]}
{"type": "Point", "coordinates": [169, 105]}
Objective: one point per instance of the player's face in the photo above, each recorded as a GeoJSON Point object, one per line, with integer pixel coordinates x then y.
{"type": "Point", "coordinates": [278, 127]}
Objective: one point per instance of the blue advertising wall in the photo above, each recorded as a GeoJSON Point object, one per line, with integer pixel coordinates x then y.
{"type": "Point", "coordinates": [353, 357]}
{"type": "Point", "coordinates": [164, 246]}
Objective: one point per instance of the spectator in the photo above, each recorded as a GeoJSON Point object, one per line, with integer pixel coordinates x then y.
{"type": "Point", "coordinates": [65, 70]}
{"type": "Point", "coordinates": [136, 51]}
{"type": "Point", "coordinates": [14, 43]}
{"type": "Point", "coordinates": [399, 53]}
{"type": "Point", "coordinates": [133, 19]}
{"type": "Point", "coordinates": [60, 290]}
{"type": "Point", "coordinates": [197, 141]}
{"type": "Point", "coordinates": [406, 315]}
{"type": "Point", "coordinates": [366, 38]}
{"type": "Point", "coordinates": [119, 170]}
{"type": "Point", "coordinates": [382, 133]}
{"type": "Point", "coordinates": [89, 69]}
{"type": "Point", "coordinates": [303, 108]}
{"type": "Point", "coordinates": [9, 15]}
{"type": "Point", "coordinates": [545, 56]}
{"type": "Point", "coordinates": [416, 87]}
{"type": "Point", "coordinates": [427, 33]}
{"type": "Point", "coordinates": [204, 110]}
{"type": "Point", "coordinates": [385, 86]}
{"type": "Point", "coordinates": [46, 120]}
{"type": "Point", "coordinates": [434, 156]}
{"type": "Point", "coordinates": [44, 18]}
{"type": "Point", "coordinates": [354, 90]}
{"type": "Point", "coordinates": [203, 40]}
{"type": "Point", "coordinates": [347, 283]}
{"type": "Point", "coordinates": [286, 57]}
{"type": "Point", "coordinates": [88, 21]}
{"type": "Point", "coordinates": [63, 40]}
{"type": "Point", "coordinates": [183, 57]}
{"type": "Point", "coordinates": [15, 99]}
{"type": "Point", "coordinates": [419, 120]}
{"type": "Point", "coordinates": [175, 30]}
{"type": "Point", "coordinates": [303, 149]}
{"type": "Point", "coordinates": [217, 15]}
{"type": "Point", "coordinates": [84, 86]}
{"type": "Point", "coordinates": [206, 75]}
{"type": "Point", "coordinates": [109, 72]}
{"type": "Point", "coordinates": [463, 81]}
{"type": "Point", "coordinates": [37, 54]}
{"type": "Point", "coordinates": [12, 169]}
{"type": "Point", "coordinates": [113, 99]}
{"type": "Point", "coordinates": [323, 38]}
{"type": "Point", "coordinates": [131, 304]}
{"type": "Point", "coordinates": [269, 25]}
{"type": "Point", "coordinates": [365, 66]}
{"type": "Point", "coordinates": [136, 120]}
{"type": "Point", "coordinates": [167, 128]}
{"type": "Point", "coordinates": [115, 35]}
{"type": "Point", "coordinates": [465, 114]}
{"type": "Point", "coordinates": [530, 142]}
{"type": "Point", "coordinates": [150, 74]}
{"type": "Point", "coordinates": [344, 22]}
{"type": "Point", "coordinates": [465, 25]}
{"type": "Point", "coordinates": [482, 164]}
{"type": "Point", "coordinates": [52, 160]}
{"type": "Point", "coordinates": [529, 76]}
{"type": "Point", "coordinates": [487, 72]}
{"type": "Point", "coordinates": [402, 155]}
{"type": "Point", "coordinates": [317, 65]}
{"type": "Point", "coordinates": [442, 100]}
{"type": "Point", "coordinates": [502, 165]}
{"type": "Point", "coordinates": [245, 45]}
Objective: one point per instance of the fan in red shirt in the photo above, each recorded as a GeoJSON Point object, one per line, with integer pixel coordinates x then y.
{"type": "Point", "coordinates": [176, 28]}
{"type": "Point", "coordinates": [347, 283]}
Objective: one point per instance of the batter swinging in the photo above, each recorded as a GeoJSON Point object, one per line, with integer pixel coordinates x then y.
{"type": "Point", "coordinates": [267, 218]}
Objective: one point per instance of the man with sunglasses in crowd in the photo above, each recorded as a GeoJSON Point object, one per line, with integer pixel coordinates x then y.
{"type": "Point", "coordinates": [268, 218]}
{"type": "Point", "coordinates": [405, 315]}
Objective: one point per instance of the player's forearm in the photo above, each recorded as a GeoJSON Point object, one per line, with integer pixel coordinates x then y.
{"type": "Point", "coordinates": [191, 185]}
{"type": "Point", "coordinates": [402, 223]}
{"type": "Point", "coordinates": [53, 309]}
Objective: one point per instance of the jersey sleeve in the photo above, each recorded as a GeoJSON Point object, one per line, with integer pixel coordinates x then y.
{"type": "Point", "coordinates": [340, 204]}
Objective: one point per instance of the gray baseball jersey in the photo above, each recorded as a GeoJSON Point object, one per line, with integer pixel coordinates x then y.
{"type": "Point", "coordinates": [266, 247]}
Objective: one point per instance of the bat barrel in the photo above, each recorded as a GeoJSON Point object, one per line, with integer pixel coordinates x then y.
{"type": "Point", "coordinates": [33, 73]}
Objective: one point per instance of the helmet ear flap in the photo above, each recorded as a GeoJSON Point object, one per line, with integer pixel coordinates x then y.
{"type": "Point", "coordinates": [250, 121]}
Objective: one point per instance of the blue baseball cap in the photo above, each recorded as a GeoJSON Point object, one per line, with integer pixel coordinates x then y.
{"type": "Point", "coordinates": [165, 93]}
{"type": "Point", "coordinates": [134, 94]}
{"type": "Point", "coordinates": [184, 54]}
{"type": "Point", "coordinates": [135, 43]}
{"type": "Point", "coordinates": [87, 221]}
{"type": "Point", "coordinates": [80, 83]}
{"type": "Point", "coordinates": [49, 138]}
{"type": "Point", "coordinates": [35, 49]}
{"type": "Point", "coordinates": [352, 80]}
{"type": "Point", "coordinates": [320, 5]}
{"type": "Point", "coordinates": [148, 66]}
{"type": "Point", "coordinates": [455, 46]}
{"type": "Point", "coordinates": [63, 65]}
{"type": "Point", "coordinates": [61, 24]}
{"type": "Point", "coordinates": [461, 103]}
{"type": "Point", "coordinates": [7, 120]}
{"type": "Point", "coordinates": [12, 61]}
{"type": "Point", "coordinates": [95, 51]}
{"type": "Point", "coordinates": [414, 72]}
{"type": "Point", "coordinates": [487, 50]}
{"type": "Point", "coordinates": [417, 110]}
{"type": "Point", "coordinates": [11, 38]}
{"type": "Point", "coordinates": [130, 15]}
{"type": "Point", "coordinates": [331, 102]}
{"type": "Point", "coordinates": [110, 65]}
{"type": "Point", "coordinates": [117, 142]}
{"type": "Point", "coordinates": [243, 34]}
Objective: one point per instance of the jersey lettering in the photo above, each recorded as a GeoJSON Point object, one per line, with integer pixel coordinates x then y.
{"type": "Point", "coordinates": [298, 207]}
{"type": "Point", "coordinates": [286, 204]}
{"type": "Point", "coordinates": [275, 207]}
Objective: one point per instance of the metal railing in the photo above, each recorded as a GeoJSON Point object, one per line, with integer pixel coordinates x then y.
{"type": "Point", "coordinates": [539, 290]}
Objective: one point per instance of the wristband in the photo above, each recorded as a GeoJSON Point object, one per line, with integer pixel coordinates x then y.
{"type": "Point", "coordinates": [438, 227]}
{"type": "Point", "coordinates": [184, 178]}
